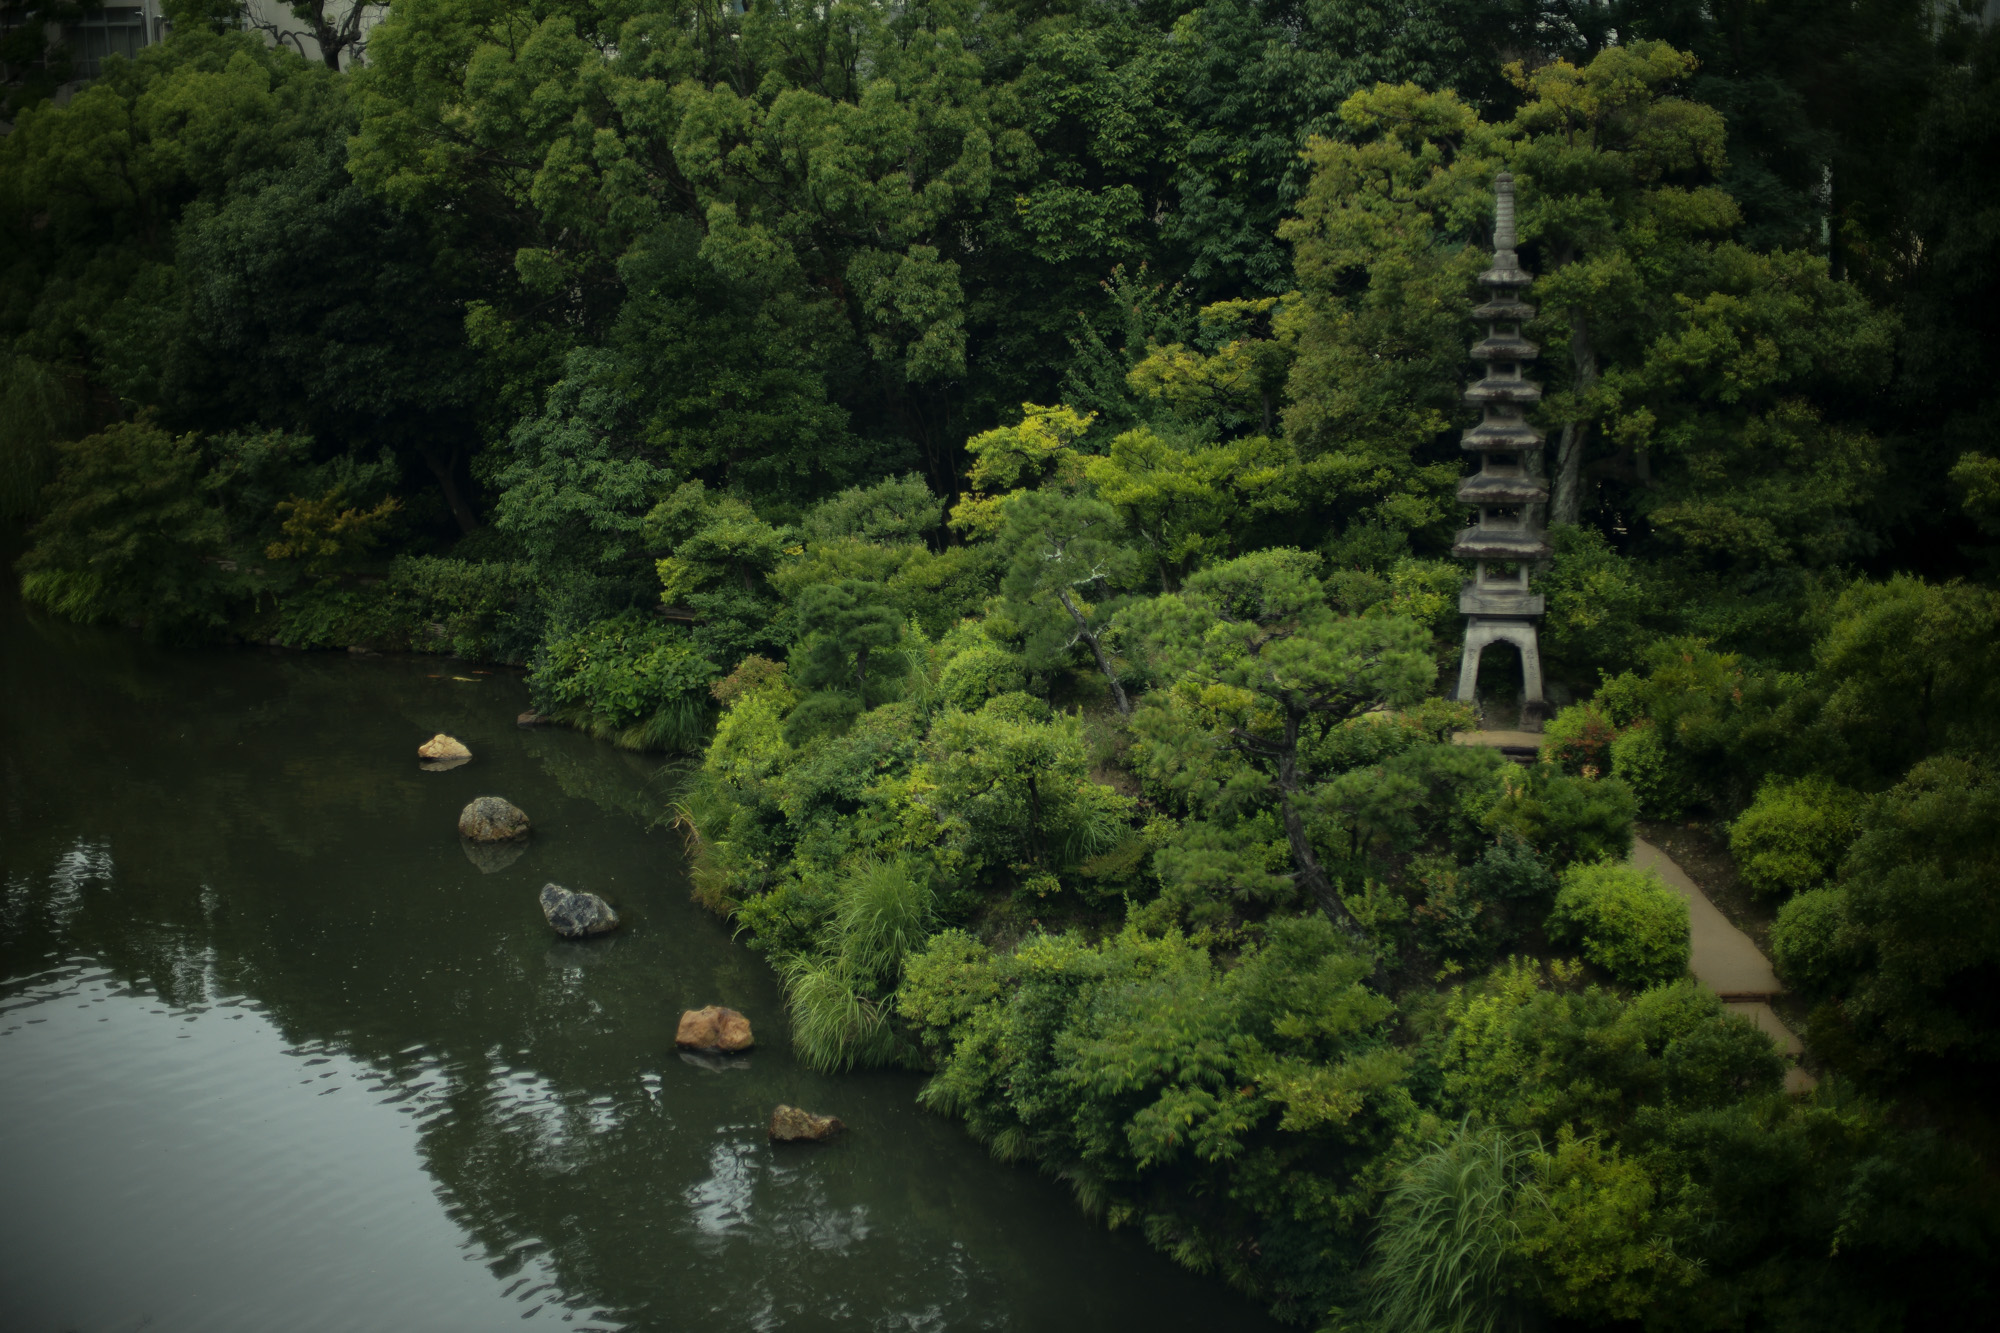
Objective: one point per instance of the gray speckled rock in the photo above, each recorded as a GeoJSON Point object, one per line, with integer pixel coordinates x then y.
{"type": "Point", "coordinates": [576, 915]}
{"type": "Point", "coordinates": [491, 819]}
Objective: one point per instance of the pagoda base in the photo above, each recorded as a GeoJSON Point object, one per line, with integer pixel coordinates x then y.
{"type": "Point", "coordinates": [1481, 632]}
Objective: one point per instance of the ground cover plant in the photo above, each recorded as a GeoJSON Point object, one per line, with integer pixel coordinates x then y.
{"type": "Point", "coordinates": [1007, 454]}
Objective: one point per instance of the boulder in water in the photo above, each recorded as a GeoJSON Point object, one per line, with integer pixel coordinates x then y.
{"type": "Point", "coordinates": [713, 1029]}
{"type": "Point", "coordinates": [576, 915]}
{"type": "Point", "coordinates": [491, 819]}
{"type": "Point", "coordinates": [791, 1125]}
{"type": "Point", "coordinates": [441, 752]}
{"type": "Point", "coordinates": [529, 719]}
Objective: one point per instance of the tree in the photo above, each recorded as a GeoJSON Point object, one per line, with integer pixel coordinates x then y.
{"type": "Point", "coordinates": [1922, 897]}
{"type": "Point", "coordinates": [1382, 328]}
{"type": "Point", "coordinates": [1187, 501]}
{"type": "Point", "coordinates": [845, 655]}
{"type": "Point", "coordinates": [716, 574]}
{"type": "Point", "coordinates": [1271, 666]}
{"type": "Point", "coordinates": [309, 305]}
{"type": "Point", "coordinates": [792, 179]}
{"type": "Point", "coordinates": [1910, 670]}
{"type": "Point", "coordinates": [1063, 548]}
{"type": "Point", "coordinates": [580, 479]}
{"type": "Point", "coordinates": [127, 533]}
{"type": "Point", "coordinates": [336, 27]}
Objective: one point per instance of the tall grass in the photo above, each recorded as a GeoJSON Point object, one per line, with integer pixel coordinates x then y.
{"type": "Point", "coordinates": [835, 1026]}
{"type": "Point", "coordinates": [1446, 1231]}
{"type": "Point", "coordinates": [882, 914]}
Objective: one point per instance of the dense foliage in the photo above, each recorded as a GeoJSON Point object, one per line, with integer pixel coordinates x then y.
{"type": "Point", "coordinates": [1009, 451]}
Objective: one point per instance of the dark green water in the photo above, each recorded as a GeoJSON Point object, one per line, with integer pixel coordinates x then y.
{"type": "Point", "coordinates": [275, 1055]}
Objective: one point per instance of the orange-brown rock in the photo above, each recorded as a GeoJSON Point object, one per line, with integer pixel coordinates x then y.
{"type": "Point", "coordinates": [713, 1029]}
{"type": "Point", "coordinates": [442, 746]}
{"type": "Point", "coordinates": [791, 1125]}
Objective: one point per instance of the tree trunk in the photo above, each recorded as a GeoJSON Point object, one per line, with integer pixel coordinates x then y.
{"type": "Point", "coordinates": [446, 472]}
{"type": "Point", "coordinates": [1566, 503]}
{"type": "Point", "coordinates": [1311, 874]}
{"type": "Point", "coordinates": [1084, 632]}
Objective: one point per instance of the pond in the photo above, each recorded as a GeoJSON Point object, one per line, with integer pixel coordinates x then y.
{"type": "Point", "coordinates": [276, 1054]}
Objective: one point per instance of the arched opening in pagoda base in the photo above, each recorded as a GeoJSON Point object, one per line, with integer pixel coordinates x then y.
{"type": "Point", "coordinates": [1501, 673]}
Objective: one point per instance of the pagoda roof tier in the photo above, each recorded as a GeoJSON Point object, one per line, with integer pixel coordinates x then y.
{"type": "Point", "coordinates": [1506, 272]}
{"type": "Point", "coordinates": [1505, 347]}
{"type": "Point", "coordinates": [1501, 544]}
{"type": "Point", "coordinates": [1501, 488]}
{"type": "Point", "coordinates": [1501, 437]}
{"type": "Point", "coordinates": [1502, 310]}
{"type": "Point", "coordinates": [1495, 390]}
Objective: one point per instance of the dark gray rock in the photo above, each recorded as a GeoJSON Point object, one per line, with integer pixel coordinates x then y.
{"type": "Point", "coordinates": [576, 915]}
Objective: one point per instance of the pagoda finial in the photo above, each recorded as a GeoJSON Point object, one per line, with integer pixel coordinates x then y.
{"type": "Point", "coordinates": [1503, 212]}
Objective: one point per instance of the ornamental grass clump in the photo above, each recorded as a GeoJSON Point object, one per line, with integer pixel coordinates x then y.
{"type": "Point", "coordinates": [839, 993]}
{"type": "Point", "coordinates": [1447, 1231]}
{"type": "Point", "coordinates": [1624, 920]}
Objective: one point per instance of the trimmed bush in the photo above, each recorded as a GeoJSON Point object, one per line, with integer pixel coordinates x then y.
{"type": "Point", "coordinates": [1639, 758]}
{"type": "Point", "coordinates": [1578, 739]}
{"type": "Point", "coordinates": [1565, 819]}
{"type": "Point", "coordinates": [1625, 921]}
{"type": "Point", "coordinates": [1795, 834]}
{"type": "Point", "coordinates": [980, 673]}
{"type": "Point", "coordinates": [1807, 942]}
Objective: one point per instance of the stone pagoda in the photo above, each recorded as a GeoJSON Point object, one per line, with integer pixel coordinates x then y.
{"type": "Point", "coordinates": [1507, 494]}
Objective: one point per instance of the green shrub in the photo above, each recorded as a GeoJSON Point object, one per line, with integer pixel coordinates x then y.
{"type": "Point", "coordinates": [466, 607]}
{"type": "Point", "coordinates": [1640, 759]}
{"type": "Point", "coordinates": [1810, 945]}
{"type": "Point", "coordinates": [1566, 819]}
{"type": "Point", "coordinates": [1624, 920]}
{"type": "Point", "coordinates": [835, 1024]}
{"type": "Point", "coordinates": [1509, 871]}
{"type": "Point", "coordinates": [1923, 902]}
{"type": "Point", "coordinates": [1794, 835]}
{"type": "Point", "coordinates": [336, 617]}
{"type": "Point", "coordinates": [981, 673]}
{"type": "Point", "coordinates": [1578, 740]}
{"type": "Point", "coordinates": [1517, 883]}
{"type": "Point", "coordinates": [629, 679]}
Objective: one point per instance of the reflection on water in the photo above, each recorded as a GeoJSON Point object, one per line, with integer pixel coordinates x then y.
{"type": "Point", "coordinates": [278, 1054]}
